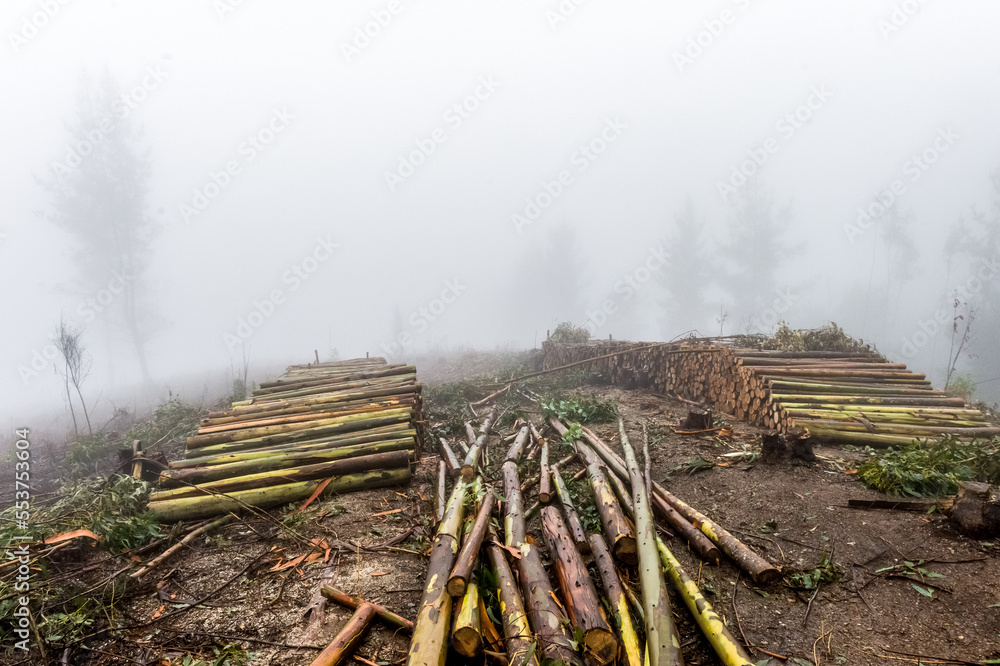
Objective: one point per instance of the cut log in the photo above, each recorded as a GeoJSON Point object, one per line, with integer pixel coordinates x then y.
{"type": "Point", "coordinates": [616, 599]}
{"type": "Point", "coordinates": [348, 638]}
{"type": "Point", "coordinates": [429, 645]}
{"type": "Point", "coordinates": [663, 647]}
{"type": "Point", "coordinates": [384, 434]}
{"type": "Point", "coordinates": [579, 596]}
{"type": "Point", "coordinates": [546, 617]}
{"type": "Point", "coordinates": [201, 475]}
{"type": "Point", "coordinates": [441, 494]}
{"type": "Point", "coordinates": [726, 647]}
{"type": "Point", "coordinates": [189, 508]}
{"type": "Point", "coordinates": [517, 633]}
{"type": "Point", "coordinates": [617, 528]}
{"type": "Point", "coordinates": [476, 447]}
{"type": "Point", "coordinates": [466, 633]}
{"type": "Point", "coordinates": [544, 476]}
{"type": "Point", "coordinates": [350, 601]}
{"type": "Point", "coordinates": [517, 448]}
{"type": "Point", "coordinates": [322, 470]}
{"type": "Point", "coordinates": [514, 530]}
{"type": "Point", "coordinates": [572, 518]}
{"type": "Point", "coordinates": [759, 569]}
{"type": "Point", "coordinates": [449, 457]}
{"type": "Point", "coordinates": [467, 557]}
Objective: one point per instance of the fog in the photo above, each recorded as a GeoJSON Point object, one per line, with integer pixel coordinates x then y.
{"type": "Point", "coordinates": [399, 178]}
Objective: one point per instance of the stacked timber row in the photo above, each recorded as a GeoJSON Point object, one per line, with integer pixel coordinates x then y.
{"type": "Point", "coordinates": [320, 428]}
{"type": "Point", "coordinates": [844, 397]}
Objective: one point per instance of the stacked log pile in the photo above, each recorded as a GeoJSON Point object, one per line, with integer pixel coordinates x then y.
{"type": "Point", "coordinates": [842, 397]}
{"type": "Point", "coordinates": [558, 615]}
{"type": "Point", "coordinates": [320, 428]}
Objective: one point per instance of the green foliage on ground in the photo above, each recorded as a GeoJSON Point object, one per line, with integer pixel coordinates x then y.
{"type": "Point", "coordinates": [113, 509]}
{"type": "Point", "coordinates": [932, 468]}
{"type": "Point", "coordinates": [827, 572]}
{"type": "Point", "coordinates": [579, 408]}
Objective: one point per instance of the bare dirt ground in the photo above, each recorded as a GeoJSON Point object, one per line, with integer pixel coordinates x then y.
{"type": "Point", "coordinates": [795, 515]}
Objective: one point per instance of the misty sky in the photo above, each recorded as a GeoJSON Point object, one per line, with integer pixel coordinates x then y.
{"type": "Point", "coordinates": [373, 182]}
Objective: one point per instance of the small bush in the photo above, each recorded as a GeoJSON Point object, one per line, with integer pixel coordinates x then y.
{"type": "Point", "coordinates": [567, 333]}
{"type": "Point", "coordinates": [962, 386]}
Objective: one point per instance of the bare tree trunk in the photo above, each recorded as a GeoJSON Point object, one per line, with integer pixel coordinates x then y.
{"type": "Point", "coordinates": [69, 399]}
{"type": "Point", "coordinates": [83, 404]}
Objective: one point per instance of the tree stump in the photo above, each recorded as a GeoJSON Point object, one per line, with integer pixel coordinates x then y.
{"type": "Point", "coordinates": [773, 449]}
{"type": "Point", "coordinates": [799, 446]}
{"type": "Point", "coordinates": [697, 419]}
{"type": "Point", "coordinates": [976, 512]}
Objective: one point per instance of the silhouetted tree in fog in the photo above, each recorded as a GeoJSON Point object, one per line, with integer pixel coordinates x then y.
{"type": "Point", "coordinates": [76, 367]}
{"type": "Point", "coordinates": [687, 275]}
{"type": "Point", "coordinates": [550, 278]}
{"type": "Point", "coordinates": [756, 243]}
{"type": "Point", "coordinates": [99, 195]}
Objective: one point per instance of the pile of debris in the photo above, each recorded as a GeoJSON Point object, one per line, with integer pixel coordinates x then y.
{"type": "Point", "coordinates": [845, 397]}
{"type": "Point", "coordinates": [320, 428]}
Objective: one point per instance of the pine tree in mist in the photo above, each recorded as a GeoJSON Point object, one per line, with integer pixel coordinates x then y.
{"type": "Point", "coordinates": [687, 275]}
{"type": "Point", "coordinates": [550, 278]}
{"type": "Point", "coordinates": [755, 246]}
{"type": "Point", "coordinates": [98, 192]}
